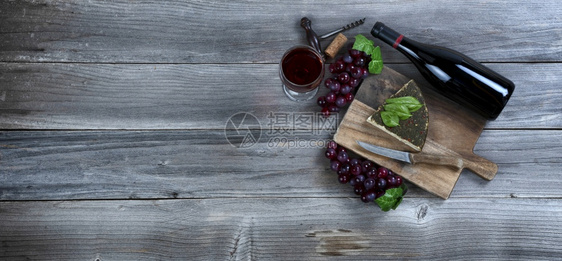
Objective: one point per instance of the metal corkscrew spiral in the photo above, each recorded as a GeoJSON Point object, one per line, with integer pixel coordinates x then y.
{"type": "Point", "coordinates": [347, 27]}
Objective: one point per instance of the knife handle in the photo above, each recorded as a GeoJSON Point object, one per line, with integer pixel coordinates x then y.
{"type": "Point", "coordinates": [442, 160]}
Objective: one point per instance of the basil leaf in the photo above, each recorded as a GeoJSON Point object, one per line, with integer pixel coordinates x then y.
{"type": "Point", "coordinates": [396, 107]}
{"type": "Point", "coordinates": [390, 119]}
{"type": "Point", "coordinates": [403, 115]}
{"type": "Point", "coordinates": [400, 110]}
{"type": "Point", "coordinates": [391, 199]}
{"type": "Point", "coordinates": [376, 54]}
{"type": "Point", "coordinates": [413, 107]}
{"type": "Point", "coordinates": [362, 43]}
{"type": "Point", "coordinates": [403, 100]}
{"type": "Point", "coordinates": [368, 49]}
{"type": "Point", "coordinates": [376, 65]}
{"type": "Point", "coordinates": [403, 106]}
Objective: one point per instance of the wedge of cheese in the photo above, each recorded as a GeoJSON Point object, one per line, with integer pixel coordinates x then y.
{"type": "Point", "coordinates": [412, 131]}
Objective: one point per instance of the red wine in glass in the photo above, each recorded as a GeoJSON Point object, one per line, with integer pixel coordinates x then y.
{"type": "Point", "coordinates": [301, 70]}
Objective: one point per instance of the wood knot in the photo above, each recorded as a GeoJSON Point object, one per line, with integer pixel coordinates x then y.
{"type": "Point", "coordinates": [421, 212]}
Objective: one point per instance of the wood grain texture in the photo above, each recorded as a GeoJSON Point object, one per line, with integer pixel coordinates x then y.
{"type": "Point", "coordinates": [112, 142]}
{"type": "Point", "coordinates": [118, 96]}
{"type": "Point", "coordinates": [57, 165]}
{"type": "Point", "coordinates": [258, 32]}
{"type": "Point", "coordinates": [281, 229]}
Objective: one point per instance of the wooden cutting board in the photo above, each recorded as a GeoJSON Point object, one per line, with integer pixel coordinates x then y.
{"type": "Point", "coordinates": [453, 130]}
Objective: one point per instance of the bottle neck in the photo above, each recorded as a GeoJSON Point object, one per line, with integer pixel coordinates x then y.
{"type": "Point", "coordinates": [397, 41]}
{"type": "Point", "coordinates": [387, 35]}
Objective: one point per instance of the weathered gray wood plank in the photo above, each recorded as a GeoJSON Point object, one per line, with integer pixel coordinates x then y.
{"type": "Point", "coordinates": [281, 229]}
{"type": "Point", "coordinates": [108, 96]}
{"type": "Point", "coordinates": [57, 165]}
{"type": "Point", "coordinates": [112, 144]}
{"type": "Point", "coordinates": [259, 32]}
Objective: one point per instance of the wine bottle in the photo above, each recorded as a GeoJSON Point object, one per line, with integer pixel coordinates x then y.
{"type": "Point", "coordinates": [453, 74]}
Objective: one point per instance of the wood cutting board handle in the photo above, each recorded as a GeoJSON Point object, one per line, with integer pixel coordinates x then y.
{"type": "Point", "coordinates": [454, 162]}
{"type": "Point", "coordinates": [481, 166]}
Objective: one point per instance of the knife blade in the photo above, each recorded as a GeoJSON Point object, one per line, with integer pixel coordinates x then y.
{"type": "Point", "coordinates": [413, 158]}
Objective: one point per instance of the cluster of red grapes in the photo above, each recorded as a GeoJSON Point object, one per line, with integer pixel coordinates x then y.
{"type": "Point", "coordinates": [347, 73]}
{"type": "Point", "coordinates": [368, 180]}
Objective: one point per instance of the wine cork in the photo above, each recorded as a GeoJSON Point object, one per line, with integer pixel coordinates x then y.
{"type": "Point", "coordinates": [336, 45]}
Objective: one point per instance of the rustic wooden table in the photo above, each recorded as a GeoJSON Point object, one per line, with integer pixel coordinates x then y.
{"type": "Point", "coordinates": [113, 143]}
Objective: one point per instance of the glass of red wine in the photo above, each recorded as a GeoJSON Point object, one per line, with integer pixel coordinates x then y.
{"type": "Point", "coordinates": [301, 71]}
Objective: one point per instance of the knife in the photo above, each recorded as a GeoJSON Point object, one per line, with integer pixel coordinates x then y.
{"type": "Point", "coordinates": [414, 158]}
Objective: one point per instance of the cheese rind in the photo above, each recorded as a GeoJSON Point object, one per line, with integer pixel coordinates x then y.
{"type": "Point", "coordinates": [412, 131]}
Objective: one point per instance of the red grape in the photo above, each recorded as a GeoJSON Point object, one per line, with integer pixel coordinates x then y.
{"type": "Point", "coordinates": [355, 170]}
{"type": "Point", "coordinates": [359, 61]}
{"type": "Point", "coordinates": [331, 153]}
{"type": "Point", "coordinates": [354, 82]}
{"type": "Point", "coordinates": [345, 89]}
{"type": "Point", "coordinates": [399, 180]}
{"type": "Point", "coordinates": [381, 183]}
{"type": "Point", "coordinates": [343, 157]}
{"type": "Point", "coordinates": [358, 188]}
{"type": "Point", "coordinates": [356, 72]}
{"type": "Point", "coordinates": [372, 173]}
{"type": "Point", "coordinates": [333, 108]}
{"type": "Point", "coordinates": [344, 168]}
{"type": "Point", "coordinates": [347, 72]}
{"type": "Point", "coordinates": [349, 97]}
{"type": "Point", "coordinates": [368, 180]}
{"type": "Point", "coordinates": [335, 165]}
{"type": "Point", "coordinates": [382, 172]}
{"type": "Point", "coordinates": [341, 101]}
{"type": "Point", "coordinates": [335, 86]}
{"type": "Point", "coordinates": [365, 73]}
{"type": "Point", "coordinates": [343, 77]}
{"type": "Point", "coordinates": [339, 66]}
{"type": "Point", "coordinates": [354, 161]}
{"type": "Point", "coordinates": [321, 101]}
{"type": "Point", "coordinates": [331, 97]}
{"type": "Point", "coordinates": [369, 183]}
{"type": "Point", "coordinates": [355, 53]}
{"type": "Point", "coordinates": [343, 178]}
{"type": "Point", "coordinates": [368, 196]}
{"type": "Point", "coordinates": [325, 112]}
{"type": "Point", "coordinates": [328, 82]}
{"type": "Point", "coordinates": [391, 181]}
{"type": "Point", "coordinates": [347, 58]}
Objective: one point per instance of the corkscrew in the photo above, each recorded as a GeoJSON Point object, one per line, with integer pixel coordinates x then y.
{"type": "Point", "coordinates": [314, 40]}
{"type": "Point", "coordinates": [311, 36]}
{"type": "Point", "coordinates": [347, 27]}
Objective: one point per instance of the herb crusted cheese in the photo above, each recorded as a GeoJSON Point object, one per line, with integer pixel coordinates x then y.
{"type": "Point", "coordinates": [413, 130]}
